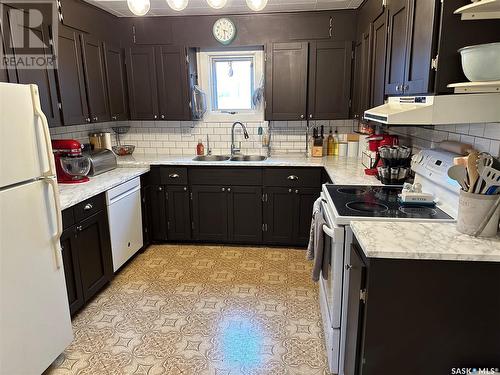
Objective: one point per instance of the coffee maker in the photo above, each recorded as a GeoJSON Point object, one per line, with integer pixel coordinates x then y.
{"type": "Point", "coordinates": [72, 166]}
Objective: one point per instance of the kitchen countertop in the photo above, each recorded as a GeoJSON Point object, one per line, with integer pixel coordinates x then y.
{"type": "Point", "coordinates": [71, 194]}
{"type": "Point", "coordinates": [412, 240]}
{"type": "Point", "coordinates": [342, 170]}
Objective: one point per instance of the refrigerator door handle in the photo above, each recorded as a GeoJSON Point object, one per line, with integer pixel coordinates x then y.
{"type": "Point", "coordinates": [46, 134]}
{"type": "Point", "coordinates": [57, 205]}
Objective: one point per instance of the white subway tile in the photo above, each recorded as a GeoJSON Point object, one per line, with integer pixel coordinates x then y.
{"type": "Point", "coordinates": [482, 144]}
{"type": "Point", "coordinates": [476, 130]}
{"type": "Point", "coordinates": [492, 130]}
{"type": "Point", "coordinates": [495, 148]}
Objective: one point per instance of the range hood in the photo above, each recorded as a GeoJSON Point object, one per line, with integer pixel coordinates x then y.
{"type": "Point", "coordinates": [437, 110]}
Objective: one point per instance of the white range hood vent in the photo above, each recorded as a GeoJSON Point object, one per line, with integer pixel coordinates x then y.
{"type": "Point", "coordinates": [437, 110]}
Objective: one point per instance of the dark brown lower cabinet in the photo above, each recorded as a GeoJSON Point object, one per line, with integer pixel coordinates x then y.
{"type": "Point", "coordinates": [158, 212]}
{"type": "Point", "coordinates": [87, 259]}
{"type": "Point", "coordinates": [245, 214]}
{"type": "Point", "coordinates": [287, 215]}
{"type": "Point", "coordinates": [179, 213]}
{"type": "Point", "coordinates": [210, 213]}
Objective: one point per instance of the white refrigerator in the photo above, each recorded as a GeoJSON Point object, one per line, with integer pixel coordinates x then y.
{"type": "Point", "coordinates": [35, 323]}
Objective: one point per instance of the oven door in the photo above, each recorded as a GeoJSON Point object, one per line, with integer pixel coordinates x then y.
{"type": "Point", "coordinates": [330, 288]}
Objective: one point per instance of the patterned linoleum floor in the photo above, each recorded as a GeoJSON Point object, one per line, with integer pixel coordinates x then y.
{"type": "Point", "coordinates": [188, 309]}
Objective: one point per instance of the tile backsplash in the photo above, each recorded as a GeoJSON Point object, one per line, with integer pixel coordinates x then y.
{"type": "Point", "coordinates": [181, 137]}
{"type": "Point", "coordinates": [483, 136]}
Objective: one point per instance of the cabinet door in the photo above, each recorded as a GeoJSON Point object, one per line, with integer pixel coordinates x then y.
{"type": "Point", "coordinates": [158, 213]}
{"type": "Point", "coordinates": [172, 73]}
{"type": "Point", "coordinates": [304, 201]}
{"type": "Point", "coordinates": [115, 78]}
{"type": "Point", "coordinates": [44, 78]}
{"type": "Point", "coordinates": [357, 80]}
{"type": "Point", "coordinates": [142, 83]}
{"type": "Point", "coordinates": [355, 274]}
{"type": "Point", "coordinates": [379, 39]}
{"type": "Point", "coordinates": [75, 108]}
{"type": "Point", "coordinates": [420, 46]}
{"type": "Point", "coordinates": [179, 213]}
{"type": "Point", "coordinates": [72, 270]}
{"type": "Point", "coordinates": [329, 80]}
{"type": "Point", "coordinates": [279, 211]}
{"type": "Point", "coordinates": [286, 81]}
{"type": "Point", "coordinates": [94, 253]}
{"type": "Point", "coordinates": [210, 213]}
{"type": "Point", "coordinates": [245, 214]}
{"type": "Point", "coordinates": [396, 47]}
{"type": "Point", "coordinates": [95, 79]}
{"type": "Point", "coordinates": [146, 214]}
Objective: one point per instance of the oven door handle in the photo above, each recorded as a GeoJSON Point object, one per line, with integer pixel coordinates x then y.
{"type": "Point", "coordinates": [329, 231]}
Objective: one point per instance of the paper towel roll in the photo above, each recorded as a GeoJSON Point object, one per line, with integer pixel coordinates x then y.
{"type": "Point", "coordinates": [352, 149]}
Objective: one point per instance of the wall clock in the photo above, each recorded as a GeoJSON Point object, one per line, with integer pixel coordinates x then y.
{"type": "Point", "coordinates": [224, 30]}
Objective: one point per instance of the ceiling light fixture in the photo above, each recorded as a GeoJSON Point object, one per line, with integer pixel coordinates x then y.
{"type": "Point", "coordinates": [177, 5]}
{"type": "Point", "coordinates": [139, 7]}
{"type": "Point", "coordinates": [217, 4]}
{"type": "Point", "coordinates": [256, 5]}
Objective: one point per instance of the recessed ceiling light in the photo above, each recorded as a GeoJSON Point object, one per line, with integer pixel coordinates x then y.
{"type": "Point", "coordinates": [177, 5]}
{"type": "Point", "coordinates": [138, 7]}
{"type": "Point", "coordinates": [256, 5]}
{"type": "Point", "coordinates": [217, 4]}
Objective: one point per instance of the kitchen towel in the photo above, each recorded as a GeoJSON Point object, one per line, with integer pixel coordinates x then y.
{"type": "Point", "coordinates": [310, 246]}
{"type": "Point", "coordinates": [319, 221]}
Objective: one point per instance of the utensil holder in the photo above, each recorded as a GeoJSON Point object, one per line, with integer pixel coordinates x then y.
{"type": "Point", "coordinates": [472, 209]}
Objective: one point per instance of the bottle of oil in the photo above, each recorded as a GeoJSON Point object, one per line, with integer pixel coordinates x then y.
{"type": "Point", "coordinates": [336, 143]}
{"type": "Point", "coordinates": [330, 144]}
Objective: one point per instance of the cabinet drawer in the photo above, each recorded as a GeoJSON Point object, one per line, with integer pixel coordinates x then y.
{"type": "Point", "coordinates": [305, 177]}
{"type": "Point", "coordinates": [173, 176]}
{"type": "Point", "coordinates": [246, 176]}
{"type": "Point", "coordinates": [88, 207]}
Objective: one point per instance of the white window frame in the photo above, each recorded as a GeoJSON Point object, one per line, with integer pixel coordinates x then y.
{"type": "Point", "coordinates": [205, 63]}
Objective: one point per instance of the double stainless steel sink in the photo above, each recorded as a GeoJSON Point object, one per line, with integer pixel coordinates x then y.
{"type": "Point", "coordinates": [230, 158]}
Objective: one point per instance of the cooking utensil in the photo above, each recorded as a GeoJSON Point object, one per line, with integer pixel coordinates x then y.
{"type": "Point", "coordinates": [481, 62]}
{"type": "Point", "coordinates": [472, 170]}
{"type": "Point", "coordinates": [491, 178]}
{"type": "Point", "coordinates": [487, 218]}
{"type": "Point", "coordinates": [459, 174]}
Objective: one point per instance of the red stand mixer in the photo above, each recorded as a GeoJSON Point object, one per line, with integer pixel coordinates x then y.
{"type": "Point", "coordinates": [72, 166]}
{"type": "Point", "coordinates": [376, 141]}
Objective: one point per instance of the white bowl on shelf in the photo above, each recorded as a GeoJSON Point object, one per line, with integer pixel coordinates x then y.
{"type": "Point", "coordinates": [481, 62]}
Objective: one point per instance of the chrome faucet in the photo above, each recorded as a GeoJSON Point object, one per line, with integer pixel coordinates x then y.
{"type": "Point", "coordinates": [209, 150]}
{"type": "Point", "coordinates": [234, 149]}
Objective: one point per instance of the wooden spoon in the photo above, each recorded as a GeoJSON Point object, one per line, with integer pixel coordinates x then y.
{"type": "Point", "coordinates": [472, 170]}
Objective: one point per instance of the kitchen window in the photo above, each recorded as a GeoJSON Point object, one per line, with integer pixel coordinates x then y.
{"type": "Point", "coordinates": [233, 84]}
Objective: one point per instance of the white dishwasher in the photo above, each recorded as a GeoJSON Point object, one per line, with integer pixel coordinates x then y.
{"type": "Point", "coordinates": [125, 220]}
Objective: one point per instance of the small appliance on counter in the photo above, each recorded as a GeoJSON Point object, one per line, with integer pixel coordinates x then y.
{"type": "Point", "coordinates": [100, 140]}
{"type": "Point", "coordinates": [374, 143]}
{"type": "Point", "coordinates": [72, 166]}
{"type": "Point", "coordinates": [395, 168]}
{"type": "Point", "coordinates": [101, 161]}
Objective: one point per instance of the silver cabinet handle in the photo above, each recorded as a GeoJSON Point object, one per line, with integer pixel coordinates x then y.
{"type": "Point", "coordinates": [311, 116]}
{"type": "Point", "coordinates": [223, 189]}
{"type": "Point", "coordinates": [162, 117]}
{"type": "Point", "coordinates": [79, 228]}
{"type": "Point", "coordinates": [87, 119]}
{"type": "Point", "coordinates": [228, 190]}
{"type": "Point", "coordinates": [185, 188]}
{"type": "Point", "coordinates": [292, 177]}
{"type": "Point", "coordinates": [173, 175]}
{"type": "Point", "coordinates": [301, 116]}
{"type": "Point", "coordinates": [348, 267]}
{"type": "Point", "coordinates": [406, 87]}
{"type": "Point", "coordinates": [160, 188]}
{"type": "Point", "coordinates": [289, 190]}
{"type": "Point", "coordinates": [296, 192]}
{"type": "Point", "coordinates": [95, 118]}
{"type": "Point", "coordinates": [114, 117]}
{"type": "Point", "coordinates": [155, 117]}
{"type": "Point", "coordinates": [88, 206]}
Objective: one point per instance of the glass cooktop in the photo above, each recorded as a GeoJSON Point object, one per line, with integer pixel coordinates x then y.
{"type": "Point", "coordinates": [378, 201]}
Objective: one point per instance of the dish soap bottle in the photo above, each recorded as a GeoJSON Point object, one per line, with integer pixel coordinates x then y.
{"type": "Point", "coordinates": [336, 142]}
{"type": "Point", "coordinates": [200, 149]}
{"type": "Point", "coordinates": [330, 144]}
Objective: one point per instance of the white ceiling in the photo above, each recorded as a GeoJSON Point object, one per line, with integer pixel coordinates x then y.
{"type": "Point", "coordinates": [200, 7]}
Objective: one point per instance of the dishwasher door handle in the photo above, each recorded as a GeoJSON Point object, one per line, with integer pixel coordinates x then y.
{"type": "Point", "coordinates": [124, 194]}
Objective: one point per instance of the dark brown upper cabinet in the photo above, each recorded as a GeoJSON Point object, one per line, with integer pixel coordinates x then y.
{"type": "Point", "coordinates": [329, 80]}
{"type": "Point", "coordinates": [142, 84]}
{"type": "Point", "coordinates": [362, 74]}
{"type": "Point", "coordinates": [411, 42]}
{"type": "Point", "coordinates": [377, 68]}
{"type": "Point", "coordinates": [172, 83]}
{"type": "Point", "coordinates": [95, 79]}
{"type": "Point", "coordinates": [44, 78]}
{"type": "Point", "coordinates": [158, 83]}
{"type": "Point", "coordinates": [286, 81]}
{"type": "Point", "coordinates": [116, 82]}
{"type": "Point", "coordinates": [74, 105]}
